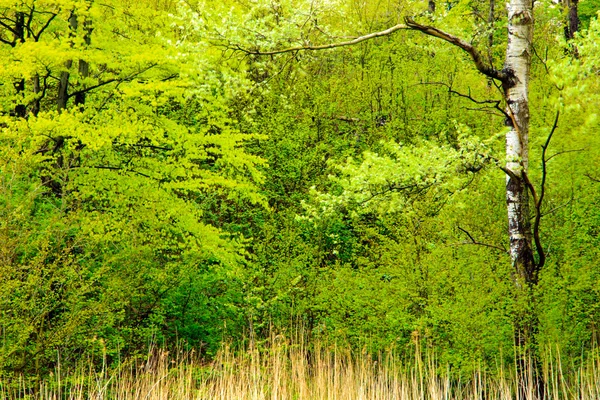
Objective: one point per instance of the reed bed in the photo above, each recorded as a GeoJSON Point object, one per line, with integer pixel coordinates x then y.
{"type": "Point", "coordinates": [288, 371]}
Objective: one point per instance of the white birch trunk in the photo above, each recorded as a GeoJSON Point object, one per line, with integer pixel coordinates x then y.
{"type": "Point", "coordinates": [516, 87]}
{"type": "Point", "coordinates": [517, 64]}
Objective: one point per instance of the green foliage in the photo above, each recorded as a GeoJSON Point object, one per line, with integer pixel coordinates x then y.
{"type": "Point", "coordinates": [157, 183]}
{"type": "Point", "coordinates": [106, 242]}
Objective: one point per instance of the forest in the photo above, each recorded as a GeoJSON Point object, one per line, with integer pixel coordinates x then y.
{"type": "Point", "coordinates": [225, 190]}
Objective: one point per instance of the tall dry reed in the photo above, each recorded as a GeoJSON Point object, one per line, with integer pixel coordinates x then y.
{"type": "Point", "coordinates": [288, 370]}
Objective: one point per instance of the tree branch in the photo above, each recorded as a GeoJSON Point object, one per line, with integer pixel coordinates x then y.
{"type": "Point", "coordinates": [7, 42]}
{"type": "Point", "coordinates": [410, 23]}
{"type": "Point", "coordinates": [495, 103]}
{"type": "Point", "coordinates": [538, 211]}
{"type": "Point", "coordinates": [473, 241]}
{"type": "Point", "coordinates": [44, 27]}
{"type": "Point", "coordinates": [538, 200]}
{"type": "Point", "coordinates": [120, 80]}
{"type": "Point", "coordinates": [90, 88]}
{"type": "Point", "coordinates": [591, 178]}
{"type": "Point", "coordinates": [357, 40]}
{"type": "Point", "coordinates": [508, 172]}
{"type": "Point", "coordinates": [482, 67]}
{"type": "Point", "coordinates": [122, 169]}
{"type": "Point", "coordinates": [10, 29]}
{"type": "Point", "coordinates": [565, 152]}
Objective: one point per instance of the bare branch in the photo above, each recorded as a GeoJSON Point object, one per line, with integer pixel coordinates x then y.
{"type": "Point", "coordinates": [122, 169]}
{"type": "Point", "coordinates": [495, 103]}
{"type": "Point", "coordinates": [410, 23]}
{"type": "Point", "coordinates": [7, 42]}
{"type": "Point", "coordinates": [475, 242]}
{"type": "Point", "coordinates": [559, 207]}
{"type": "Point", "coordinates": [466, 96]}
{"type": "Point", "coordinates": [109, 81]}
{"type": "Point", "coordinates": [90, 88]}
{"type": "Point", "coordinates": [592, 178]}
{"type": "Point", "coordinates": [357, 40]}
{"type": "Point", "coordinates": [482, 67]}
{"type": "Point", "coordinates": [8, 27]}
{"type": "Point", "coordinates": [44, 27]}
{"type": "Point", "coordinates": [413, 189]}
{"type": "Point", "coordinates": [538, 201]}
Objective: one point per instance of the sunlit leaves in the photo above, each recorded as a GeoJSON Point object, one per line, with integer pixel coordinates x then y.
{"type": "Point", "coordinates": [391, 180]}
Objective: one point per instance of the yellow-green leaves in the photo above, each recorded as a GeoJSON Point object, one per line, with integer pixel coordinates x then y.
{"type": "Point", "coordinates": [390, 180]}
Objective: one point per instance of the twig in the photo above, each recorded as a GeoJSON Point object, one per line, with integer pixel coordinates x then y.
{"type": "Point", "coordinates": [475, 242]}
{"type": "Point", "coordinates": [558, 207]}
{"type": "Point", "coordinates": [564, 152]}
{"type": "Point", "coordinates": [495, 103]}
{"type": "Point", "coordinates": [592, 178]}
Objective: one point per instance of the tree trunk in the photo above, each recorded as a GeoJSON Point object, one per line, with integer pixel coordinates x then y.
{"type": "Point", "coordinates": [572, 24]}
{"type": "Point", "coordinates": [84, 67]}
{"type": "Point", "coordinates": [19, 37]}
{"type": "Point", "coordinates": [516, 89]}
{"type": "Point", "coordinates": [37, 89]}
{"type": "Point", "coordinates": [525, 270]}
{"type": "Point", "coordinates": [63, 84]}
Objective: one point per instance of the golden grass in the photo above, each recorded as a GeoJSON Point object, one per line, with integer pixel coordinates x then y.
{"type": "Point", "coordinates": [285, 370]}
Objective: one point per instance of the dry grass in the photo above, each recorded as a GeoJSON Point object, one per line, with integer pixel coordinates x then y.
{"type": "Point", "coordinates": [289, 371]}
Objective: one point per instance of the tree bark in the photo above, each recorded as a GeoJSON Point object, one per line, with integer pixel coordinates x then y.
{"type": "Point", "coordinates": [525, 268]}
{"type": "Point", "coordinates": [84, 67]}
{"type": "Point", "coordinates": [516, 90]}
